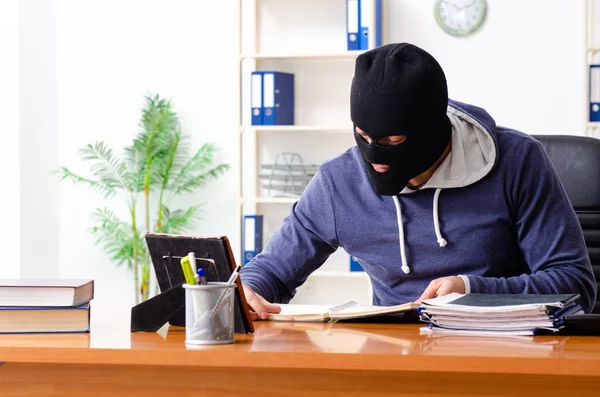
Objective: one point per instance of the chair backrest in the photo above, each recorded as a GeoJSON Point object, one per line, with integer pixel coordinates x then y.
{"type": "Point", "coordinates": [577, 162]}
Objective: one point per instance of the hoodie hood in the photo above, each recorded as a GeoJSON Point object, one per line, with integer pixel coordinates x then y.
{"type": "Point", "coordinates": [472, 156]}
{"type": "Point", "coordinates": [473, 149]}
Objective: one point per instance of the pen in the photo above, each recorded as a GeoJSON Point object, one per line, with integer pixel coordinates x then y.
{"type": "Point", "coordinates": [201, 277]}
{"type": "Point", "coordinates": [234, 275]}
{"type": "Point", "coordinates": [192, 258]}
{"type": "Point", "coordinates": [187, 271]}
{"type": "Point", "coordinates": [222, 301]}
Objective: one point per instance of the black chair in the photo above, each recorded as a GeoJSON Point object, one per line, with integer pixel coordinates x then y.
{"type": "Point", "coordinates": [577, 162]}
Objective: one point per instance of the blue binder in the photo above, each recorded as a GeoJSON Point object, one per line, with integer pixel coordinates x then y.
{"type": "Point", "coordinates": [354, 265]}
{"type": "Point", "coordinates": [367, 19]}
{"type": "Point", "coordinates": [353, 24]}
{"type": "Point", "coordinates": [256, 100]}
{"type": "Point", "coordinates": [252, 237]}
{"type": "Point", "coordinates": [594, 92]}
{"type": "Point", "coordinates": [278, 98]}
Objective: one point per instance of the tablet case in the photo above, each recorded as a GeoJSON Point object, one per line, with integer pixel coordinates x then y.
{"type": "Point", "coordinates": [213, 254]}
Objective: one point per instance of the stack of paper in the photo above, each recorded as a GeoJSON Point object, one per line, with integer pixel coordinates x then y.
{"type": "Point", "coordinates": [497, 314]}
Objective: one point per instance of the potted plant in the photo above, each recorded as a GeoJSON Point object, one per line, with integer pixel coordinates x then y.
{"type": "Point", "coordinates": [159, 165]}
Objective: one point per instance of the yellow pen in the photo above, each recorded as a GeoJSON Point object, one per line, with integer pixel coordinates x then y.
{"type": "Point", "coordinates": [187, 271]}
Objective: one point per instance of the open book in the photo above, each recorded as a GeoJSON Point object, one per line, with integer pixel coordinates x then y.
{"type": "Point", "coordinates": [345, 311]}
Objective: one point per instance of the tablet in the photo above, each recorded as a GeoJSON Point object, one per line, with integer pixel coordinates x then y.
{"type": "Point", "coordinates": [213, 254]}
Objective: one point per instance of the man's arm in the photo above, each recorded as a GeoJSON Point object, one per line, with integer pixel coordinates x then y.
{"type": "Point", "coordinates": [298, 247]}
{"type": "Point", "coordinates": [549, 235]}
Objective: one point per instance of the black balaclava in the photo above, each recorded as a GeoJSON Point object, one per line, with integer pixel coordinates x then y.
{"type": "Point", "coordinates": [399, 89]}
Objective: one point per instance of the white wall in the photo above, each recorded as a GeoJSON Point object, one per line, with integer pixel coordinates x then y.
{"type": "Point", "coordinates": [39, 192]}
{"type": "Point", "coordinates": [526, 64]}
{"type": "Point", "coordinates": [111, 53]}
{"type": "Point", "coordinates": [9, 161]}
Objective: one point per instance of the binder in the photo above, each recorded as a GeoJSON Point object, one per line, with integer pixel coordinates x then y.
{"type": "Point", "coordinates": [256, 94]}
{"type": "Point", "coordinates": [278, 98]}
{"type": "Point", "coordinates": [370, 24]}
{"type": "Point", "coordinates": [594, 92]}
{"type": "Point", "coordinates": [355, 265]}
{"type": "Point", "coordinates": [252, 237]}
{"type": "Point", "coordinates": [352, 24]}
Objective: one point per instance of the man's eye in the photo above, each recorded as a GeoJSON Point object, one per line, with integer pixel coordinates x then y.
{"type": "Point", "coordinates": [391, 141]}
{"type": "Point", "coordinates": [365, 138]}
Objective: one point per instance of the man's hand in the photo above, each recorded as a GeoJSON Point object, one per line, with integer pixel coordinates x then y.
{"type": "Point", "coordinates": [259, 305]}
{"type": "Point", "coordinates": [443, 286]}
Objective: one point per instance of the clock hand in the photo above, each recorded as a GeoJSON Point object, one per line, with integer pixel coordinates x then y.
{"type": "Point", "coordinates": [450, 4]}
{"type": "Point", "coordinates": [474, 2]}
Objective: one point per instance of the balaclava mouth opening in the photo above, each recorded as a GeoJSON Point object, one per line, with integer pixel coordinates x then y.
{"type": "Point", "coordinates": [399, 89]}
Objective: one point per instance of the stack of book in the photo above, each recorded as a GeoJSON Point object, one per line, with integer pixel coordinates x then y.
{"type": "Point", "coordinates": [497, 314]}
{"type": "Point", "coordinates": [38, 306]}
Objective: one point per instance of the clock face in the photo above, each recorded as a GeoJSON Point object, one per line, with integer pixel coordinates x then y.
{"type": "Point", "coordinates": [460, 17]}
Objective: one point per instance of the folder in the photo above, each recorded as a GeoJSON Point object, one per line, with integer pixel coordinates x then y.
{"type": "Point", "coordinates": [594, 92]}
{"type": "Point", "coordinates": [256, 93]}
{"type": "Point", "coordinates": [497, 314]}
{"type": "Point", "coordinates": [252, 234]}
{"type": "Point", "coordinates": [370, 24]}
{"type": "Point", "coordinates": [352, 24]}
{"type": "Point", "coordinates": [278, 98]}
{"type": "Point", "coordinates": [355, 266]}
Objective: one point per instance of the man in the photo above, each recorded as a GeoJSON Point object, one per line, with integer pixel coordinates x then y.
{"type": "Point", "coordinates": [434, 198]}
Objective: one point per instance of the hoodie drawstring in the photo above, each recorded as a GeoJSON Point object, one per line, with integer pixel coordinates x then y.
{"type": "Point", "coordinates": [405, 267]}
{"type": "Point", "coordinates": [436, 222]}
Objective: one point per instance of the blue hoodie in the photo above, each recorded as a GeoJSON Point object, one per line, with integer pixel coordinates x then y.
{"type": "Point", "coordinates": [494, 213]}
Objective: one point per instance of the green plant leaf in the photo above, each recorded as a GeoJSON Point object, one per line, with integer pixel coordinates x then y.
{"type": "Point", "coordinates": [100, 187]}
{"type": "Point", "coordinates": [191, 182]}
{"type": "Point", "coordinates": [158, 123]}
{"type": "Point", "coordinates": [173, 160]}
{"type": "Point", "coordinates": [134, 168]}
{"type": "Point", "coordinates": [197, 171]}
{"type": "Point", "coordinates": [106, 167]}
{"type": "Point", "coordinates": [117, 237]}
{"type": "Point", "coordinates": [180, 221]}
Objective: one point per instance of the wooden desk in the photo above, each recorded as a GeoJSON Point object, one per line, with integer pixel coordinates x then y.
{"type": "Point", "coordinates": [284, 359]}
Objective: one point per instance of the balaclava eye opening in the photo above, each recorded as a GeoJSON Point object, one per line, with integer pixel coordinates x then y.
{"type": "Point", "coordinates": [399, 89]}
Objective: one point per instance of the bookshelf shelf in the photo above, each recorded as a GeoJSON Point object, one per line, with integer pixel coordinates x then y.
{"type": "Point", "coordinates": [269, 200]}
{"type": "Point", "coordinates": [299, 128]}
{"type": "Point", "coordinates": [344, 55]}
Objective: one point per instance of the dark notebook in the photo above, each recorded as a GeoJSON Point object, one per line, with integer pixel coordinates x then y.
{"type": "Point", "coordinates": [491, 300]}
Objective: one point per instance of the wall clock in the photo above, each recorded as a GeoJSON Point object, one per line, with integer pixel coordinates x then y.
{"type": "Point", "coordinates": [460, 17]}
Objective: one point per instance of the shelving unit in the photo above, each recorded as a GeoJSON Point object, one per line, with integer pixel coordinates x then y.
{"type": "Point", "coordinates": [311, 60]}
{"type": "Point", "coordinates": [592, 49]}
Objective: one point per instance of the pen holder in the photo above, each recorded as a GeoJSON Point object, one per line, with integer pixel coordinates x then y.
{"type": "Point", "coordinates": [209, 313]}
